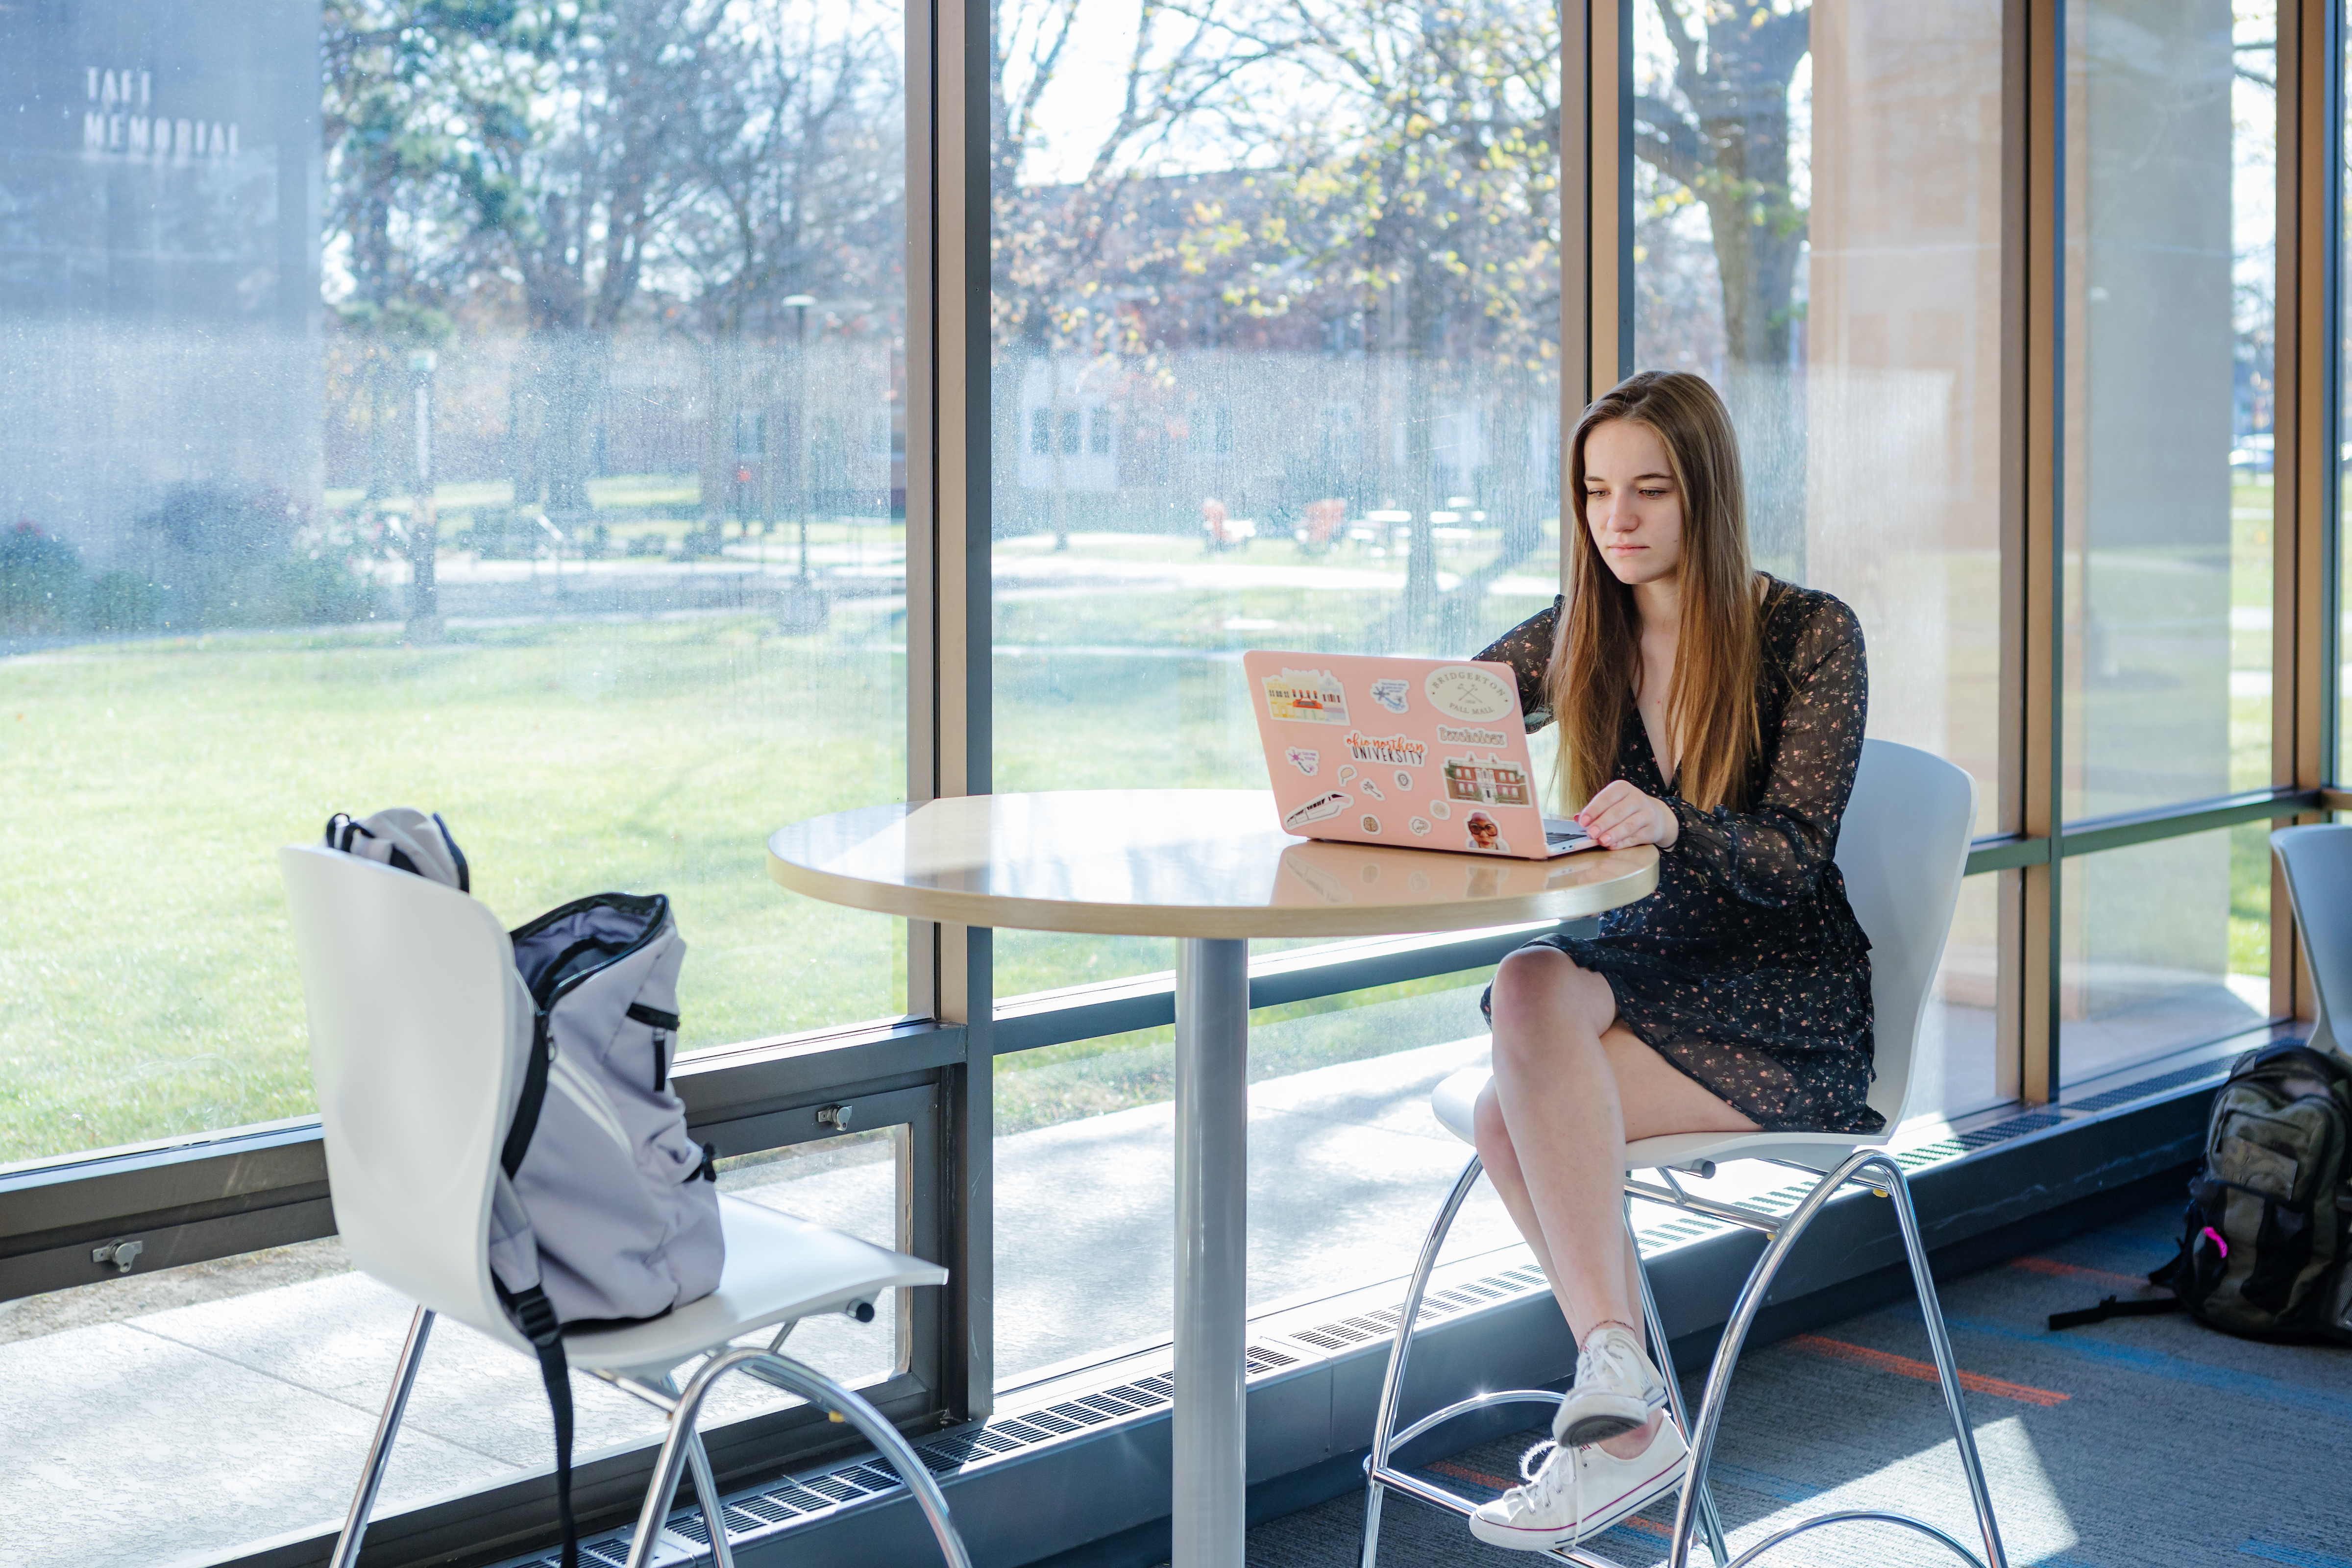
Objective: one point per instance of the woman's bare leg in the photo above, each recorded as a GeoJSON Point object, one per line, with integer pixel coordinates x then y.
{"type": "Point", "coordinates": [1569, 1087]}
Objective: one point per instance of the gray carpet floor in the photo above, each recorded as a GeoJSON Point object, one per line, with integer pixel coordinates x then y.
{"type": "Point", "coordinates": [2136, 1443]}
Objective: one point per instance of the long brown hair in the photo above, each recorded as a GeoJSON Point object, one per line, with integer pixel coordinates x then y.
{"type": "Point", "coordinates": [1711, 709]}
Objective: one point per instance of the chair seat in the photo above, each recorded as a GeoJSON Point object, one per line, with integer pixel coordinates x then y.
{"type": "Point", "coordinates": [777, 1268]}
{"type": "Point", "coordinates": [1456, 1098]}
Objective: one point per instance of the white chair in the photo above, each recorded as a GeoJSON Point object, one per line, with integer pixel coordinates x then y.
{"type": "Point", "coordinates": [2317, 860]}
{"type": "Point", "coordinates": [407, 986]}
{"type": "Point", "coordinates": [1903, 846]}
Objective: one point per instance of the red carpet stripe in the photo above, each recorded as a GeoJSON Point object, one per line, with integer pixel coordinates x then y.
{"type": "Point", "coordinates": [1465, 1473]}
{"type": "Point", "coordinates": [2058, 1270]}
{"type": "Point", "coordinates": [1904, 1366]}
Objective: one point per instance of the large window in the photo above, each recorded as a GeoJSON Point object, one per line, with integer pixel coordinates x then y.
{"type": "Point", "coordinates": [497, 410]}
{"type": "Point", "coordinates": [1818, 231]}
{"type": "Point", "coordinates": [1276, 363]}
{"type": "Point", "coordinates": [2172, 177]}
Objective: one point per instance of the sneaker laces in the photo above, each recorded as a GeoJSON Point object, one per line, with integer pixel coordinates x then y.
{"type": "Point", "coordinates": [1549, 1472]}
{"type": "Point", "coordinates": [1531, 1463]}
{"type": "Point", "coordinates": [1604, 1354]}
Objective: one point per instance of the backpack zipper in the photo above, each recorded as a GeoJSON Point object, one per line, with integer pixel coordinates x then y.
{"type": "Point", "coordinates": [534, 1083]}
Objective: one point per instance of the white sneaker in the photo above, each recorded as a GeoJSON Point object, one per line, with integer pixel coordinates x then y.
{"type": "Point", "coordinates": [1577, 1493]}
{"type": "Point", "coordinates": [1616, 1390]}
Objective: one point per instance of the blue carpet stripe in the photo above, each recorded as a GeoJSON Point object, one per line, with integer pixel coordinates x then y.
{"type": "Point", "coordinates": [2299, 1557]}
{"type": "Point", "coordinates": [2157, 1364]}
{"type": "Point", "coordinates": [1780, 1489]}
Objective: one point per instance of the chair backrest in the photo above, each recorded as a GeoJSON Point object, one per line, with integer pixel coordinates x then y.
{"type": "Point", "coordinates": [2317, 860]}
{"type": "Point", "coordinates": [1902, 847]}
{"type": "Point", "coordinates": [408, 987]}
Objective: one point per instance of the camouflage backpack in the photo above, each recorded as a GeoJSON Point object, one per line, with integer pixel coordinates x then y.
{"type": "Point", "coordinates": [2263, 1246]}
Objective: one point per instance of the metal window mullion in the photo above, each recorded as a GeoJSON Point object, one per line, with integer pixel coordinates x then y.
{"type": "Point", "coordinates": [950, 969]}
{"type": "Point", "coordinates": [1607, 351]}
{"type": "Point", "coordinates": [2035, 63]}
{"type": "Point", "coordinates": [2306, 429]}
{"type": "Point", "coordinates": [1576, 189]}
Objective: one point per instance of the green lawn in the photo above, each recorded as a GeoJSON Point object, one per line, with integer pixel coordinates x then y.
{"type": "Point", "coordinates": [147, 986]}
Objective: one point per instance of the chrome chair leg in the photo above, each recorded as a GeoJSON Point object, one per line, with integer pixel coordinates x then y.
{"type": "Point", "coordinates": [818, 1389]}
{"type": "Point", "coordinates": [1662, 1356]}
{"type": "Point", "coordinates": [1735, 1335]}
{"type": "Point", "coordinates": [379, 1454]}
{"type": "Point", "coordinates": [705, 1488]}
{"type": "Point", "coordinates": [1939, 1339]}
{"type": "Point", "coordinates": [1399, 1348]}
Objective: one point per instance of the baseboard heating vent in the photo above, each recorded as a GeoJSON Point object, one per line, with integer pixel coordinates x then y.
{"type": "Point", "coordinates": [2179, 1078]}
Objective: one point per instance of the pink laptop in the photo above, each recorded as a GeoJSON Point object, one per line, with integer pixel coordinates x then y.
{"type": "Point", "coordinates": [1424, 753]}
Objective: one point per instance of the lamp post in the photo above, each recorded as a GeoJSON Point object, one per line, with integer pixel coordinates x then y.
{"type": "Point", "coordinates": [424, 591]}
{"type": "Point", "coordinates": [800, 304]}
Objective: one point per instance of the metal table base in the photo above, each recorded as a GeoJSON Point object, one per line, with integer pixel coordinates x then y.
{"type": "Point", "coordinates": [1212, 1249]}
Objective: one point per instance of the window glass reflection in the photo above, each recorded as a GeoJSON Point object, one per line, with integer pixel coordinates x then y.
{"type": "Point", "coordinates": [2151, 960]}
{"type": "Point", "coordinates": [492, 408]}
{"type": "Point", "coordinates": [1345, 1161]}
{"type": "Point", "coordinates": [1817, 201]}
{"type": "Point", "coordinates": [1275, 365]}
{"type": "Point", "coordinates": [2171, 182]}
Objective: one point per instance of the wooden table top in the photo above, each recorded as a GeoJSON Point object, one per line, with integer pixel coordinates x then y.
{"type": "Point", "coordinates": [1173, 862]}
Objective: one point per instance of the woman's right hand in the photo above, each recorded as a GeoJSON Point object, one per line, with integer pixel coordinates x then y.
{"type": "Point", "coordinates": [1620, 817]}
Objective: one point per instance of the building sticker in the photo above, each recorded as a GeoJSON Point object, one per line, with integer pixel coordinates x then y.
{"type": "Point", "coordinates": [1307, 696]}
{"type": "Point", "coordinates": [1489, 780]}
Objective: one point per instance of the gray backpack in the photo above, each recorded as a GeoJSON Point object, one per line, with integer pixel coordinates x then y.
{"type": "Point", "coordinates": [2266, 1244]}
{"type": "Point", "coordinates": [605, 1211]}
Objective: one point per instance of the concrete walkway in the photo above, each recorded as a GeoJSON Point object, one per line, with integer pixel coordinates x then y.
{"type": "Point", "coordinates": [179, 1434]}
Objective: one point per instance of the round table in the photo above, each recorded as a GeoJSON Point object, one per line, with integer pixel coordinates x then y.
{"type": "Point", "coordinates": [1211, 868]}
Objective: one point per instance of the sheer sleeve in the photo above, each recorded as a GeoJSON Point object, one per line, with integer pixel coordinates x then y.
{"type": "Point", "coordinates": [1772, 853]}
{"type": "Point", "coordinates": [1526, 648]}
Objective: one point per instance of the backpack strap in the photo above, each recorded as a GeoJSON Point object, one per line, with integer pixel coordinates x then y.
{"type": "Point", "coordinates": [536, 1317]}
{"type": "Point", "coordinates": [534, 1095]}
{"type": "Point", "coordinates": [2112, 1307]}
{"type": "Point", "coordinates": [465, 873]}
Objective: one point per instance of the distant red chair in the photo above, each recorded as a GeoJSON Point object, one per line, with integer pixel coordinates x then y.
{"type": "Point", "coordinates": [1323, 519]}
{"type": "Point", "coordinates": [1224, 533]}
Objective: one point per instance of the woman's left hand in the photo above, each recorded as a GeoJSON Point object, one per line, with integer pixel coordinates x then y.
{"type": "Point", "coordinates": [1620, 817]}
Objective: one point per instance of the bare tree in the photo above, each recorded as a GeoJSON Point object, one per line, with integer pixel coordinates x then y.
{"type": "Point", "coordinates": [578, 154]}
{"type": "Point", "coordinates": [801, 192]}
{"type": "Point", "coordinates": [1720, 129]}
{"type": "Point", "coordinates": [1422, 188]}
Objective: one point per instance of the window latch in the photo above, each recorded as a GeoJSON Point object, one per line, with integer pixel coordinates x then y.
{"type": "Point", "coordinates": [121, 1253]}
{"type": "Point", "coordinates": [835, 1116]}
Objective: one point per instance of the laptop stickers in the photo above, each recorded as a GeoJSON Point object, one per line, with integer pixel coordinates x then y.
{"type": "Point", "coordinates": [1431, 754]}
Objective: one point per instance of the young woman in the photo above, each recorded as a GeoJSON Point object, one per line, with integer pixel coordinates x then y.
{"type": "Point", "coordinates": [1716, 712]}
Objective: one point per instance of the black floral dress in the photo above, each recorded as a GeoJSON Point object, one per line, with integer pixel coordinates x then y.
{"type": "Point", "coordinates": [1746, 969]}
